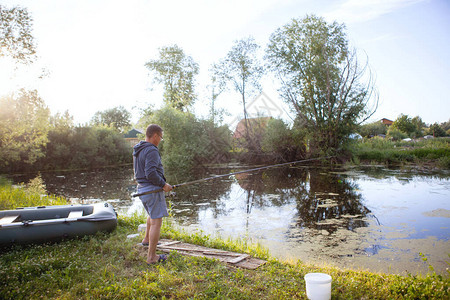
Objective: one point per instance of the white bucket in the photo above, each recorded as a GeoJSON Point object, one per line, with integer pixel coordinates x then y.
{"type": "Point", "coordinates": [318, 286]}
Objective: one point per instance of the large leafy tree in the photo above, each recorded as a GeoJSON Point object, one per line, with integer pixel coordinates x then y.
{"type": "Point", "coordinates": [411, 127]}
{"type": "Point", "coordinates": [242, 70]}
{"type": "Point", "coordinates": [404, 124]}
{"type": "Point", "coordinates": [321, 79]}
{"type": "Point", "coordinates": [16, 39]}
{"type": "Point", "coordinates": [23, 115]}
{"type": "Point", "coordinates": [446, 125]}
{"type": "Point", "coordinates": [24, 124]}
{"type": "Point", "coordinates": [436, 130]}
{"type": "Point", "coordinates": [176, 71]}
{"type": "Point", "coordinates": [118, 118]}
{"type": "Point", "coordinates": [419, 125]}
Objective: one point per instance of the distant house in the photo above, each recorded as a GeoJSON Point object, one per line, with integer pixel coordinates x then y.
{"type": "Point", "coordinates": [132, 136]}
{"type": "Point", "coordinates": [255, 126]}
{"type": "Point", "coordinates": [386, 122]}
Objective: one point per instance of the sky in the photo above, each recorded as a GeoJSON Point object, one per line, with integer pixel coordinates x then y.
{"type": "Point", "coordinates": [92, 53]}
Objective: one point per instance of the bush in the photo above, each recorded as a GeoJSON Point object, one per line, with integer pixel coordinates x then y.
{"type": "Point", "coordinates": [376, 143]}
{"type": "Point", "coordinates": [436, 130]}
{"type": "Point", "coordinates": [23, 129]}
{"type": "Point", "coordinates": [32, 194]}
{"type": "Point", "coordinates": [84, 147]}
{"type": "Point", "coordinates": [396, 134]}
{"type": "Point", "coordinates": [189, 142]}
{"type": "Point", "coordinates": [282, 143]}
{"type": "Point", "coordinates": [64, 146]}
{"type": "Point", "coordinates": [411, 127]}
{"type": "Point", "coordinates": [372, 129]}
{"type": "Point", "coordinates": [386, 151]}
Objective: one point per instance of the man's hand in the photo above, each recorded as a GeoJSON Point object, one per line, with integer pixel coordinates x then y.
{"type": "Point", "coordinates": [167, 187]}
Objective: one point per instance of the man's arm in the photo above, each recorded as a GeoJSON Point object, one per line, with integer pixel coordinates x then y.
{"type": "Point", "coordinates": [152, 160]}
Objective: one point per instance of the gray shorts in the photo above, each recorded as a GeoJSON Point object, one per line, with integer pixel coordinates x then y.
{"type": "Point", "coordinates": [155, 205]}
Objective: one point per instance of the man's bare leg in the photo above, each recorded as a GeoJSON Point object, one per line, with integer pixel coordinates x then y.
{"type": "Point", "coordinates": [147, 231]}
{"type": "Point", "coordinates": [154, 232]}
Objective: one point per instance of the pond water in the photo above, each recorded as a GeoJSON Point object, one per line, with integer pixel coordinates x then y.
{"type": "Point", "coordinates": [371, 218]}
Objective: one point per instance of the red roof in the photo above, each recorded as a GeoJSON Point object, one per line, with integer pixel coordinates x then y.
{"type": "Point", "coordinates": [386, 121]}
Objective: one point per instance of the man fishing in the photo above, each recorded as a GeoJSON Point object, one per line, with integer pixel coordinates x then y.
{"type": "Point", "coordinates": [149, 174]}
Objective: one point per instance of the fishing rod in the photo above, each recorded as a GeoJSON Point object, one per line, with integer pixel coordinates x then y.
{"type": "Point", "coordinates": [225, 175]}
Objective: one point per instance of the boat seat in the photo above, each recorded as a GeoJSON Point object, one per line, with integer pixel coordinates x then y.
{"type": "Point", "coordinates": [8, 219]}
{"type": "Point", "coordinates": [75, 214]}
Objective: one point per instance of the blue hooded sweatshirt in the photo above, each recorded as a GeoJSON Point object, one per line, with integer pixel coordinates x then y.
{"type": "Point", "coordinates": [148, 169]}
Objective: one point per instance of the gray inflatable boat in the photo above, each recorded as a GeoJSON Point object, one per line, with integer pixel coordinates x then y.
{"type": "Point", "coordinates": [52, 223]}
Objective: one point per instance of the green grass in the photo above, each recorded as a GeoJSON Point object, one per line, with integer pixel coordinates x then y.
{"type": "Point", "coordinates": [32, 194]}
{"type": "Point", "coordinates": [110, 266]}
{"type": "Point", "coordinates": [435, 151]}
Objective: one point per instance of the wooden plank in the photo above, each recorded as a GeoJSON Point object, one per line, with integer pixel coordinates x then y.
{"type": "Point", "coordinates": [176, 248]}
{"type": "Point", "coordinates": [169, 243]}
{"type": "Point", "coordinates": [203, 250]}
{"type": "Point", "coordinates": [239, 259]}
{"type": "Point", "coordinates": [251, 263]}
{"type": "Point", "coordinates": [233, 259]}
{"type": "Point", "coordinates": [221, 253]}
{"type": "Point", "coordinates": [8, 219]}
{"type": "Point", "coordinates": [75, 214]}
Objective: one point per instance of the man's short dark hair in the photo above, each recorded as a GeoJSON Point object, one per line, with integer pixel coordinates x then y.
{"type": "Point", "coordinates": [152, 129]}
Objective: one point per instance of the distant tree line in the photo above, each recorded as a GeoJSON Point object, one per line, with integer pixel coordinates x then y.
{"type": "Point", "coordinates": [31, 139]}
{"type": "Point", "coordinates": [405, 127]}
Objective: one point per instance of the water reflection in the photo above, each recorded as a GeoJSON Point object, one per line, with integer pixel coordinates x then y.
{"type": "Point", "coordinates": [323, 201]}
{"type": "Point", "coordinates": [328, 202]}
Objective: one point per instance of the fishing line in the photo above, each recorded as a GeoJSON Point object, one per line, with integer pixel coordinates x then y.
{"type": "Point", "coordinates": [229, 174]}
